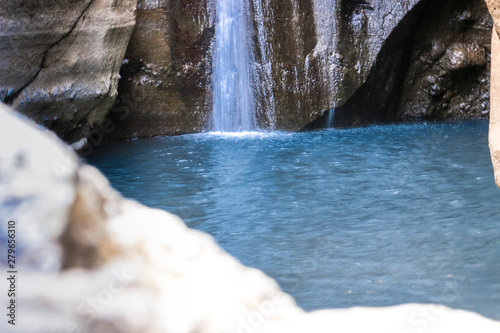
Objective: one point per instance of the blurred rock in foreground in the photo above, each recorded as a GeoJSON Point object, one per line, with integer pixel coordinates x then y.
{"type": "Point", "coordinates": [494, 8]}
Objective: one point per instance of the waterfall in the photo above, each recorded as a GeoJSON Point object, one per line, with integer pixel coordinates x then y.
{"type": "Point", "coordinates": [232, 80]}
{"type": "Point", "coordinates": [326, 50]}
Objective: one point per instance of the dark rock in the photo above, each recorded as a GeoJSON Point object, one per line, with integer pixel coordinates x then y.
{"type": "Point", "coordinates": [434, 61]}
{"type": "Point", "coordinates": [166, 75]}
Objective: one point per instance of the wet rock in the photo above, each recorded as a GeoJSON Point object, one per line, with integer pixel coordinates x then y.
{"type": "Point", "coordinates": [459, 56]}
{"type": "Point", "coordinates": [367, 60]}
{"type": "Point", "coordinates": [165, 82]}
{"type": "Point", "coordinates": [310, 56]}
{"type": "Point", "coordinates": [462, 70]}
{"type": "Point", "coordinates": [60, 60]}
{"type": "Point", "coordinates": [434, 61]}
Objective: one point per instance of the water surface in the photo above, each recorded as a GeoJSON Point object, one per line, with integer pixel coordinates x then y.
{"type": "Point", "coordinates": [372, 216]}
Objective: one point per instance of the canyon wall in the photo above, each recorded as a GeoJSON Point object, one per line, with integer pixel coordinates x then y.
{"type": "Point", "coordinates": [165, 85]}
{"type": "Point", "coordinates": [318, 63]}
{"type": "Point", "coordinates": [435, 65]}
{"type": "Point", "coordinates": [60, 60]}
{"type": "Point", "coordinates": [310, 56]}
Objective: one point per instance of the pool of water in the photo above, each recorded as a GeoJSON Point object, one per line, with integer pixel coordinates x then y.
{"type": "Point", "coordinates": [372, 216]}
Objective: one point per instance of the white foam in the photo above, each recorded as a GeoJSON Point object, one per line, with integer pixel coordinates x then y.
{"type": "Point", "coordinates": [244, 134]}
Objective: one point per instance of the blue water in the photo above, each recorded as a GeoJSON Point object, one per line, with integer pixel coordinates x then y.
{"type": "Point", "coordinates": [361, 217]}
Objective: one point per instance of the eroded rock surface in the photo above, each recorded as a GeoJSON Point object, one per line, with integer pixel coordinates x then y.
{"type": "Point", "coordinates": [367, 60]}
{"type": "Point", "coordinates": [494, 134]}
{"type": "Point", "coordinates": [310, 56]}
{"type": "Point", "coordinates": [434, 65]}
{"type": "Point", "coordinates": [165, 86]}
{"type": "Point", "coordinates": [60, 60]}
{"type": "Point", "coordinates": [449, 72]}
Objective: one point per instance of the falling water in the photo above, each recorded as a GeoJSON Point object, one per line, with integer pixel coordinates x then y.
{"type": "Point", "coordinates": [326, 50]}
{"type": "Point", "coordinates": [262, 11]}
{"type": "Point", "coordinates": [233, 95]}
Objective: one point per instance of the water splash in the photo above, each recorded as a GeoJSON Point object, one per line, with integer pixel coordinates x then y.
{"type": "Point", "coordinates": [233, 95]}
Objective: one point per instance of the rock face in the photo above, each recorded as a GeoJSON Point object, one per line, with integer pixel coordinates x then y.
{"type": "Point", "coordinates": [317, 63]}
{"type": "Point", "coordinates": [92, 261]}
{"type": "Point", "coordinates": [494, 135]}
{"type": "Point", "coordinates": [166, 75]}
{"type": "Point", "coordinates": [367, 60]}
{"type": "Point", "coordinates": [435, 65]}
{"type": "Point", "coordinates": [60, 60]}
{"type": "Point", "coordinates": [311, 56]}
{"type": "Point", "coordinates": [337, 43]}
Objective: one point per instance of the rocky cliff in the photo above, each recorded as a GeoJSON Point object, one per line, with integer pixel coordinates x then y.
{"type": "Point", "coordinates": [60, 60]}
{"type": "Point", "coordinates": [435, 65]}
{"type": "Point", "coordinates": [92, 261]}
{"type": "Point", "coordinates": [364, 61]}
{"type": "Point", "coordinates": [165, 86]}
{"type": "Point", "coordinates": [317, 63]}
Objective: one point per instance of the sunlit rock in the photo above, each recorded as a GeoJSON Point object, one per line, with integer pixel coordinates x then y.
{"type": "Point", "coordinates": [60, 60]}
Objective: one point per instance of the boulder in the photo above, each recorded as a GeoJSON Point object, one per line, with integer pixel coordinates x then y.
{"type": "Point", "coordinates": [494, 134]}
{"type": "Point", "coordinates": [60, 60]}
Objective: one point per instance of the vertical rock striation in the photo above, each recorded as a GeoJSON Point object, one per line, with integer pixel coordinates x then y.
{"type": "Point", "coordinates": [317, 63]}
{"type": "Point", "coordinates": [494, 135]}
{"type": "Point", "coordinates": [310, 57]}
{"type": "Point", "coordinates": [166, 75]}
{"type": "Point", "coordinates": [313, 55]}
{"type": "Point", "coordinates": [60, 60]}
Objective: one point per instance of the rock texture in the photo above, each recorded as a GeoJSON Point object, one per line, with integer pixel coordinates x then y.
{"type": "Point", "coordinates": [367, 60]}
{"type": "Point", "coordinates": [317, 63]}
{"type": "Point", "coordinates": [435, 65]}
{"type": "Point", "coordinates": [166, 75]}
{"type": "Point", "coordinates": [91, 261]}
{"type": "Point", "coordinates": [311, 56]}
{"type": "Point", "coordinates": [60, 60]}
{"type": "Point", "coordinates": [494, 135]}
